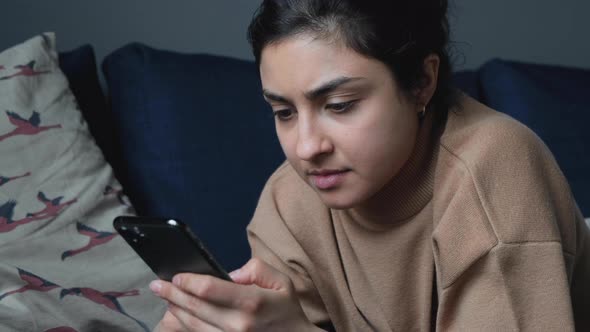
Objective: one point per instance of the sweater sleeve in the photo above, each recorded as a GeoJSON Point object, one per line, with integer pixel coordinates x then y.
{"type": "Point", "coordinates": [272, 241]}
{"type": "Point", "coordinates": [509, 243]}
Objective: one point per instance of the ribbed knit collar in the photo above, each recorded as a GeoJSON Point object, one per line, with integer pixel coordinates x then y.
{"type": "Point", "coordinates": [409, 191]}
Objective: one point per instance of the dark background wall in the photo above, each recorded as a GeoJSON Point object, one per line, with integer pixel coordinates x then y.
{"type": "Point", "coordinates": [543, 31]}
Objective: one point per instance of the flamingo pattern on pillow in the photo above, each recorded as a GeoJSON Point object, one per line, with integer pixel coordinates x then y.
{"type": "Point", "coordinates": [62, 265]}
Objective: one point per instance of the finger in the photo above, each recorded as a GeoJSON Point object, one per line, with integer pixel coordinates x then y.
{"type": "Point", "coordinates": [169, 323]}
{"type": "Point", "coordinates": [261, 274]}
{"type": "Point", "coordinates": [190, 322]}
{"type": "Point", "coordinates": [211, 289]}
{"type": "Point", "coordinates": [196, 307]}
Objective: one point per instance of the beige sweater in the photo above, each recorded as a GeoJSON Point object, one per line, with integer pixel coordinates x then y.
{"type": "Point", "coordinates": [484, 235]}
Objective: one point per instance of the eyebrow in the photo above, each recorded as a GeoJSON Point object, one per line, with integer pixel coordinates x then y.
{"type": "Point", "coordinates": [316, 92]}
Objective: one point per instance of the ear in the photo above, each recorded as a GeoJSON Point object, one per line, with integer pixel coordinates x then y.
{"type": "Point", "coordinates": [429, 80]}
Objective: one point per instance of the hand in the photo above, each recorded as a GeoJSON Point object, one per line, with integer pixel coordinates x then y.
{"type": "Point", "coordinates": [261, 299]}
{"type": "Point", "coordinates": [169, 324]}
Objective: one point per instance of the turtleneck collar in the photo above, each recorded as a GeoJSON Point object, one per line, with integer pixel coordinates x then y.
{"type": "Point", "coordinates": [408, 192]}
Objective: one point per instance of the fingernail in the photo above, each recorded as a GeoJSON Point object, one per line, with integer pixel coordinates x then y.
{"type": "Point", "coordinates": [176, 280]}
{"type": "Point", "coordinates": [156, 286]}
{"type": "Point", "coordinates": [235, 273]}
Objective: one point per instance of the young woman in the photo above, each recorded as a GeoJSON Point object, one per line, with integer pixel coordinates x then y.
{"type": "Point", "coordinates": [403, 204]}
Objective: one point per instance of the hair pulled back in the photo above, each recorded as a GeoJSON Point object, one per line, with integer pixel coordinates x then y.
{"type": "Point", "coordinates": [399, 33]}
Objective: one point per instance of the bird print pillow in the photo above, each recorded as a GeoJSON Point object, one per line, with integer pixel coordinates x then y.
{"type": "Point", "coordinates": [62, 265]}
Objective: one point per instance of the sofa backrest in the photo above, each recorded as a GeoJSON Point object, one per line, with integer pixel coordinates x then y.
{"type": "Point", "coordinates": [197, 140]}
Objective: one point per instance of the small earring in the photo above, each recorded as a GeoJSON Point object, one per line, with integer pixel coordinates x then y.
{"type": "Point", "coordinates": [422, 113]}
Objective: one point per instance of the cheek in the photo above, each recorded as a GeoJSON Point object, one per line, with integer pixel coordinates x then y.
{"type": "Point", "coordinates": [288, 142]}
{"type": "Point", "coordinates": [383, 146]}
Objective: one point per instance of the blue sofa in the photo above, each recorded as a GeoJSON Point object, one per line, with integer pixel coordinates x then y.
{"type": "Point", "coordinates": [189, 135]}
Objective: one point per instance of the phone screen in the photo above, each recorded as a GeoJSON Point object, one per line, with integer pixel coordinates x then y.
{"type": "Point", "coordinates": [168, 247]}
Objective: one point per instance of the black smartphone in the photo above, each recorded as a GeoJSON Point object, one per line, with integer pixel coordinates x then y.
{"type": "Point", "coordinates": [168, 246]}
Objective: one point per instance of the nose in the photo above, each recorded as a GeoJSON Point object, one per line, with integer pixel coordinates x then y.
{"type": "Point", "coordinates": [312, 140]}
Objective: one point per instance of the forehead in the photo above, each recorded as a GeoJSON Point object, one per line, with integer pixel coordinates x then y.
{"type": "Point", "coordinates": [306, 61]}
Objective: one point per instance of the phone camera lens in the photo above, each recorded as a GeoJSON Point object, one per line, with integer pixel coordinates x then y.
{"type": "Point", "coordinates": [136, 230]}
{"type": "Point", "coordinates": [135, 240]}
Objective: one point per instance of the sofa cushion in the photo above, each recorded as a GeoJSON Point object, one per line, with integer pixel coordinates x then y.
{"type": "Point", "coordinates": [199, 141]}
{"type": "Point", "coordinates": [61, 258]}
{"type": "Point", "coordinates": [79, 66]}
{"type": "Point", "coordinates": [551, 101]}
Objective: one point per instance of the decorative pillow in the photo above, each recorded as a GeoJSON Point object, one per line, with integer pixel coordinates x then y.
{"type": "Point", "coordinates": [199, 141]}
{"type": "Point", "coordinates": [62, 264]}
{"type": "Point", "coordinates": [552, 101]}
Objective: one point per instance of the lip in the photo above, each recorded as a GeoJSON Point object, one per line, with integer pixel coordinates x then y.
{"type": "Point", "coordinates": [326, 179]}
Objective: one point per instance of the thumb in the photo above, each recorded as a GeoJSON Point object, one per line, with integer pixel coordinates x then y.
{"type": "Point", "coordinates": [257, 272]}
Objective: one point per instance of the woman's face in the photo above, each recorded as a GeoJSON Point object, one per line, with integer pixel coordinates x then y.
{"type": "Point", "coordinates": [343, 123]}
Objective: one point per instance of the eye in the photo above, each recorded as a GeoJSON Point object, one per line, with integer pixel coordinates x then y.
{"type": "Point", "coordinates": [341, 107]}
{"type": "Point", "coordinates": [284, 114]}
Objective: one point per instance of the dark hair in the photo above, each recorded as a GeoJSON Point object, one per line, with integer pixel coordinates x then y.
{"type": "Point", "coordinates": [399, 33]}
